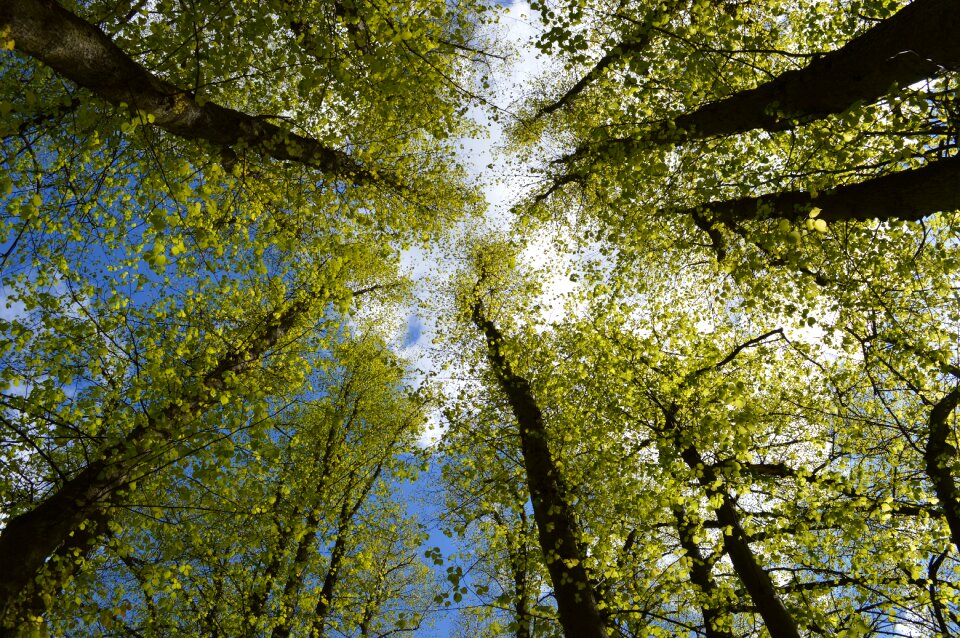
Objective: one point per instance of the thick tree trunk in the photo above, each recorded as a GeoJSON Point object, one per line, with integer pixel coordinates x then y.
{"type": "Point", "coordinates": [778, 621]}
{"type": "Point", "coordinates": [941, 457]}
{"type": "Point", "coordinates": [28, 616]}
{"type": "Point", "coordinates": [30, 538]}
{"type": "Point", "coordinates": [917, 42]}
{"type": "Point", "coordinates": [85, 55]}
{"type": "Point", "coordinates": [556, 524]}
{"type": "Point", "coordinates": [907, 195]}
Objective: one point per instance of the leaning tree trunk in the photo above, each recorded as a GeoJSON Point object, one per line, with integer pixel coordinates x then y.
{"type": "Point", "coordinates": [907, 195]}
{"type": "Point", "coordinates": [917, 42]}
{"type": "Point", "coordinates": [29, 539]}
{"type": "Point", "coordinates": [557, 528]}
{"type": "Point", "coordinates": [84, 54]}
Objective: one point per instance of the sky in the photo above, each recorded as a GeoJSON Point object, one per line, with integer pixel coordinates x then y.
{"type": "Point", "coordinates": [502, 189]}
{"type": "Point", "coordinates": [518, 25]}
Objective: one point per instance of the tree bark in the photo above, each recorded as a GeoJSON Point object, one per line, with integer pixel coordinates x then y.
{"type": "Point", "coordinates": [517, 554]}
{"type": "Point", "coordinates": [518, 563]}
{"type": "Point", "coordinates": [325, 602]}
{"type": "Point", "coordinates": [258, 604]}
{"type": "Point", "coordinates": [30, 538]}
{"type": "Point", "coordinates": [294, 580]}
{"type": "Point", "coordinates": [344, 527]}
{"type": "Point", "coordinates": [264, 584]}
{"type": "Point", "coordinates": [557, 528]}
{"type": "Point", "coordinates": [917, 42]}
{"type": "Point", "coordinates": [940, 457]}
{"type": "Point", "coordinates": [85, 55]}
{"type": "Point", "coordinates": [908, 195]}
{"type": "Point", "coordinates": [27, 616]}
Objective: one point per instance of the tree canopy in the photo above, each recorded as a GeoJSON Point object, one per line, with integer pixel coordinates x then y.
{"type": "Point", "coordinates": [702, 379]}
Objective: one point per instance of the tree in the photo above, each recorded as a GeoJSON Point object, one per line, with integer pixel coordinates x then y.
{"type": "Point", "coordinates": [742, 155]}
{"type": "Point", "coordinates": [860, 94]}
{"type": "Point", "coordinates": [728, 466]}
{"type": "Point", "coordinates": [184, 234]}
{"type": "Point", "coordinates": [557, 526]}
{"type": "Point", "coordinates": [739, 420]}
{"type": "Point", "coordinates": [276, 533]}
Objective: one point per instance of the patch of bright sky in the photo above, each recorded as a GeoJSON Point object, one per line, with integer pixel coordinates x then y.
{"type": "Point", "coordinates": [502, 180]}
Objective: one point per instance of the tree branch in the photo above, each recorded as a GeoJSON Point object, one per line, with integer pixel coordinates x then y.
{"type": "Point", "coordinates": [84, 54]}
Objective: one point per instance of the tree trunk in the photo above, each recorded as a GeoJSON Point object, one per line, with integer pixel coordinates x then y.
{"type": "Point", "coordinates": [85, 55]}
{"type": "Point", "coordinates": [907, 195]}
{"type": "Point", "coordinates": [917, 42]}
{"type": "Point", "coordinates": [258, 604]}
{"type": "Point", "coordinates": [518, 563]}
{"type": "Point", "coordinates": [940, 458]}
{"type": "Point", "coordinates": [325, 603]}
{"type": "Point", "coordinates": [556, 524]}
{"type": "Point", "coordinates": [779, 622]}
{"type": "Point", "coordinates": [632, 44]}
{"type": "Point", "coordinates": [517, 554]}
{"type": "Point", "coordinates": [27, 616]}
{"type": "Point", "coordinates": [264, 584]}
{"type": "Point", "coordinates": [344, 527]}
{"type": "Point", "coordinates": [717, 622]}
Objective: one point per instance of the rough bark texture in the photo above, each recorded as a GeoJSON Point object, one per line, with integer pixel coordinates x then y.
{"type": "Point", "coordinates": [917, 42]}
{"type": "Point", "coordinates": [778, 621]}
{"type": "Point", "coordinates": [907, 195]}
{"type": "Point", "coordinates": [82, 53]}
{"type": "Point", "coordinates": [30, 538]}
{"type": "Point", "coordinates": [557, 528]}
{"type": "Point", "coordinates": [940, 458]}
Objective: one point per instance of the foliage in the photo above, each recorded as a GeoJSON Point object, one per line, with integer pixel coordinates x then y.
{"type": "Point", "coordinates": [752, 387]}
{"type": "Point", "coordinates": [195, 198]}
{"type": "Point", "coordinates": [722, 401]}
